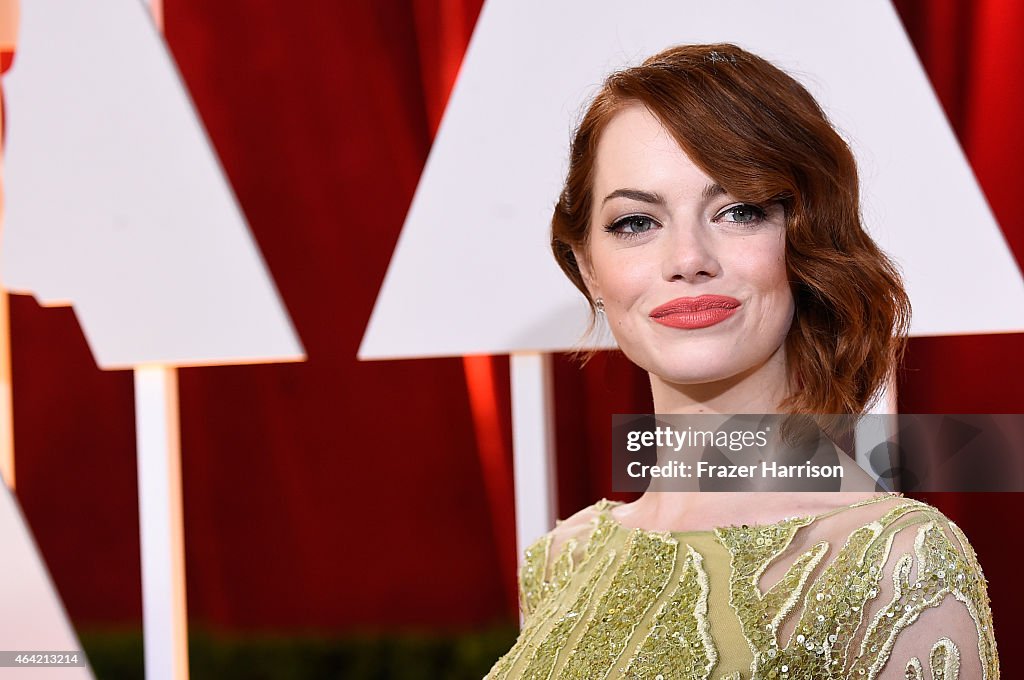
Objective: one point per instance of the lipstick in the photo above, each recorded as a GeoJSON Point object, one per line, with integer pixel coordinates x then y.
{"type": "Point", "coordinates": [695, 312]}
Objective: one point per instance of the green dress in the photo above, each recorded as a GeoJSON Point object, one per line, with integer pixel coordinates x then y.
{"type": "Point", "coordinates": [885, 588]}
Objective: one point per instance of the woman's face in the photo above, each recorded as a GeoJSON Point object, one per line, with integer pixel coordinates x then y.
{"type": "Point", "coordinates": [694, 282]}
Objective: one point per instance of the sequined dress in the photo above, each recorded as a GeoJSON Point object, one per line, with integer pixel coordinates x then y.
{"type": "Point", "coordinates": [885, 588]}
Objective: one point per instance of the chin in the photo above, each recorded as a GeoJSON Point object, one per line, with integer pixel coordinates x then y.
{"type": "Point", "coordinates": [692, 366]}
{"type": "Point", "coordinates": [690, 369]}
{"type": "Point", "coordinates": [693, 375]}
{"type": "Point", "coordinates": [699, 360]}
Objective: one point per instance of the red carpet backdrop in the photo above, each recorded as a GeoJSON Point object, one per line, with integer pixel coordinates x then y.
{"type": "Point", "coordinates": [340, 497]}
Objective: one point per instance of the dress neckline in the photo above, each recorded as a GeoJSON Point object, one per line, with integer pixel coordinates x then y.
{"type": "Point", "coordinates": [604, 507]}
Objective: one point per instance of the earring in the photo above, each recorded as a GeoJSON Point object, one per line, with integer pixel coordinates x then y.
{"type": "Point", "coordinates": [599, 303]}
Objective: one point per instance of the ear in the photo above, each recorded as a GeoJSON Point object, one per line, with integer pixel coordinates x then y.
{"type": "Point", "coordinates": [587, 272]}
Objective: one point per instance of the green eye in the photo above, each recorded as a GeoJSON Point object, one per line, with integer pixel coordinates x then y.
{"type": "Point", "coordinates": [744, 213]}
{"type": "Point", "coordinates": [631, 225]}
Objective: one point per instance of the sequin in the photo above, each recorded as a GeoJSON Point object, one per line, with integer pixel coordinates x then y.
{"type": "Point", "coordinates": [630, 603]}
{"type": "Point", "coordinates": [543, 657]}
{"type": "Point", "coordinates": [914, 670]}
{"type": "Point", "coordinates": [945, 660]}
{"type": "Point", "coordinates": [639, 581]}
{"type": "Point", "coordinates": [531, 574]}
{"type": "Point", "coordinates": [689, 651]}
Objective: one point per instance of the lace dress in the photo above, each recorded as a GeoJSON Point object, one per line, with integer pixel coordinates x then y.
{"type": "Point", "coordinates": [885, 588]}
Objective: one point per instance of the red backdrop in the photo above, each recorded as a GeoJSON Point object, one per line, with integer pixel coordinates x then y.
{"type": "Point", "coordinates": [336, 494]}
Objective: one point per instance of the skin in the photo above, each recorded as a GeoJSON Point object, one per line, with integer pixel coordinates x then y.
{"type": "Point", "coordinates": [677, 234]}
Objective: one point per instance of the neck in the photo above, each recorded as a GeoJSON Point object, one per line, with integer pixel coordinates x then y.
{"type": "Point", "coordinates": [682, 511]}
{"type": "Point", "coordinates": [760, 389]}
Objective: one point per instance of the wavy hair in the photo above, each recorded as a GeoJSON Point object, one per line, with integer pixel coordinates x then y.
{"type": "Point", "coordinates": [759, 134]}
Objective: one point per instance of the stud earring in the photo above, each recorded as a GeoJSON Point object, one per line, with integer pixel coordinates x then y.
{"type": "Point", "coordinates": [599, 303]}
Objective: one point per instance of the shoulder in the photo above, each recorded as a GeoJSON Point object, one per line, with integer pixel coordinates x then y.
{"type": "Point", "coordinates": [933, 610]}
{"type": "Point", "coordinates": [906, 522]}
{"type": "Point", "coordinates": [577, 527]}
{"type": "Point", "coordinates": [924, 534]}
{"type": "Point", "coordinates": [894, 591]}
{"type": "Point", "coordinates": [580, 526]}
{"type": "Point", "coordinates": [551, 559]}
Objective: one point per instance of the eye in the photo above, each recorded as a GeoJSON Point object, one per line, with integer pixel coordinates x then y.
{"type": "Point", "coordinates": [744, 213]}
{"type": "Point", "coordinates": [631, 225]}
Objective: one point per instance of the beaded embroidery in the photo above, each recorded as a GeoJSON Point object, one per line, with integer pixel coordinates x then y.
{"type": "Point", "coordinates": [679, 642]}
{"type": "Point", "coordinates": [941, 570]}
{"type": "Point", "coordinates": [543, 657]}
{"type": "Point", "coordinates": [531, 574]}
{"type": "Point", "coordinates": [641, 612]}
{"type": "Point", "coordinates": [944, 662]}
{"type": "Point", "coordinates": [637, 583]}
{"type": "Point", "coordinates": [536, 590]}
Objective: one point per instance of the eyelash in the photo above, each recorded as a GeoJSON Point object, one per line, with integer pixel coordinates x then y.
{"type": "Point", "coordinates": [759, 216]}
{"type": "Point", "coordinates": [614, 227]}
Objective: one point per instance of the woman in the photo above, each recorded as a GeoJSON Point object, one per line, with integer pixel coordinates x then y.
{"type": "Point", "coordinates": [711, 214]}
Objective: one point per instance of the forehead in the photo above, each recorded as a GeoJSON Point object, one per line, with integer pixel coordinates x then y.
{"type": "Point", "coordinates": [636, 151]}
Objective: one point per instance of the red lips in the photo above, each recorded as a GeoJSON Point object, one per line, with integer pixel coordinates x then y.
{"type": "Point", "coordinates": [695, 312]}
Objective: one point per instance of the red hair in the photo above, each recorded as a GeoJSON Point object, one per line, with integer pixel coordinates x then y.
{"type": "Point", "coordinates": [759, 134]}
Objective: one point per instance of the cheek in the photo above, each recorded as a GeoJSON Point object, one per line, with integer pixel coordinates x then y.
{"type": "Point", "coordinates": [621, 276]}
{"type": "Point", "coordinates": [767, 261]}
{"type": "Point", "coordinates": [765, 271]}
{"type": "Point", "coordinates": [783, 305]}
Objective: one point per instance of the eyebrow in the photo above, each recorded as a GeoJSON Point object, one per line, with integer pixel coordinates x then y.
{"type": "Point", "coordinates": [713, 190]}
{"type": "Point", "coordinates": [709, 192]}
{"type": "Point", "coordinates": [635, 195]}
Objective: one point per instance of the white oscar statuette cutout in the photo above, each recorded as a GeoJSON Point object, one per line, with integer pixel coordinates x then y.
{"type": "Point", "coordinates": [32, 617]}
{"type": "Point", "coordinates": [116, 204]}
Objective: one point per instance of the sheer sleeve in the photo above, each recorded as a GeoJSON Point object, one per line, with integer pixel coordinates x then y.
{"type": "Point", "coordinates": [931, 619]}
{"type": "Point", "coordinates": [886, 590]}
{"type": "Point", "coordinates": [549, 562]}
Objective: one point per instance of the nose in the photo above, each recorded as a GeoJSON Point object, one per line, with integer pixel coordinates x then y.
{"type": "Point", "coordinates": [689, 253]}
